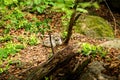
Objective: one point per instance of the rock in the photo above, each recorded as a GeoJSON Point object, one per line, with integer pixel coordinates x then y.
{"type": "Point", "coordinates": [111, 44]}
{"type": "Point", "coordinates": [96, 67]}
{"type": "Point", "coordinates": [56, 40]}
{"type": "Point", "coordinates": [93, 26]}
{"type": "Point", "coordinates": [94, 72]}
{"type": "Point", "coordinates": [87, 76]}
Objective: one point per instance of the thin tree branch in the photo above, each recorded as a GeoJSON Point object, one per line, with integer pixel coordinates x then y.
{"type": "Point", "coordinates": [52, 48]}
{"type": "Point", "coordinates": [114, 20]}
{"type": "Point", "coordinates": [50, 37]}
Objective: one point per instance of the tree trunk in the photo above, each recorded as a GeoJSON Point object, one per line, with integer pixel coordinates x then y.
{"type": "Point", "coordinates": [71, 23]}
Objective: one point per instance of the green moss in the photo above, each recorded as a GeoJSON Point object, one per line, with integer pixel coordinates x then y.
{"type": "Point", "coordinates": [94, 26]}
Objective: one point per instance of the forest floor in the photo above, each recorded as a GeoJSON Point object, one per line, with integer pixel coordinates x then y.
{"type": "Point", "coordinates": [36, 55]}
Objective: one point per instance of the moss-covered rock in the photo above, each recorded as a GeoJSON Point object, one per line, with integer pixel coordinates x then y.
{"type": "Point", "coordinates": [93, 26]}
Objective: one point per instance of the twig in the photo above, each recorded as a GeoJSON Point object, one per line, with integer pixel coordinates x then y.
{"type": "Point", "coordinates": [52, 48]}
{"type": "Point", "coordinates": [114, 20]}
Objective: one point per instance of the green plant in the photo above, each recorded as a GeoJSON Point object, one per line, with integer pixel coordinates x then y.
{"type": "Point", "coordinates": [41, 5]}
{"type": "Point", "coordinates": [22, 39]}
{"type": "Point", "coordinates": [28, 39]}
{"type": "Point", "coordinates": [64, 34]}
{"type": "Point", "coordinates": [33, 40]}
{"type": "Point", "coordinates": [12, 19]}
{"type": "Point", "coordinates": [3, 68]}
{"type": "Point", "coordinates": [8, 3]}
{"type": "Point", "coordinates": [48, 78]}
{"type": "Point", "coordinates": [5, 38]}
{"type": "Point", "coordinates": [35, 5]}
{"type": "Point", "coordinates": [89, 49]}
{"type": "Point", "coordinates": [16, 62]}
{"type": "Point", "coordinates": [16, 19]}
{"type": "Point", "coordinates": [9, 49]}
{"type": "Point", "coordinates": [19, 46]}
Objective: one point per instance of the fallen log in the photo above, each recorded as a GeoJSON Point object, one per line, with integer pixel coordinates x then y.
{"type": "Point", "coordinates": [58, 60]}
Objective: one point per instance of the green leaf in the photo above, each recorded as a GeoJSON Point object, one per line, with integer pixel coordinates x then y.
{"type": "Point", "coordinates": [19, 46]}
{"type": "Point", "coordinates": [7, 2]}
{"type": "Point", "coordinates": [96, 5]}
{"type": "Point", "coordinates": [3, 53]}
{"type": "Point", "coordinates": [59, 1]}
{"type": "Point", "coordinates": [15, 1]}
{"type": "Point", "coordinates": [60, 6]}
{"type": "Point", "coordinates": [36, 2]}
{"type": "Point", "coordinates": [82, 10]}
{"type": "Point", "coordinates": [85, 4]}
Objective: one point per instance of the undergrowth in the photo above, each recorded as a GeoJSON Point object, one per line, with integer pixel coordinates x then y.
{"type": "Point", "coordinates": [89, 49]}
{"type": "Point", "coordinates": [14, 16]}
